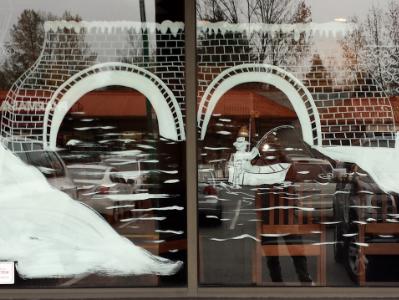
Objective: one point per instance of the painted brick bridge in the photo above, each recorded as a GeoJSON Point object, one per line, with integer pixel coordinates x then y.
{"type": "Point", "coordinates": [335, 106]}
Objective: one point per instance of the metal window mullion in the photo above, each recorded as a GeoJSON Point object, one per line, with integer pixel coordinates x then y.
{"type": "Point", "coordinates": [191, 146]}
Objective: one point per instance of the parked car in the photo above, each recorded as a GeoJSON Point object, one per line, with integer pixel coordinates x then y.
{"type": "Point", "coordinates": [48, 162]}
{"type": "Point", "coordinates": [314, 183]}
{"type": "Point", "coordinates": [209, 205]}
{"type": "Point", "coordinates": [95, 185]}
{"type": "Point", "coordinates": [361, 201]}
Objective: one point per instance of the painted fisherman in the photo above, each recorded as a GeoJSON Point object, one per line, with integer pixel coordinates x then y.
{"type": "Point", "coordinates": [242, 160]}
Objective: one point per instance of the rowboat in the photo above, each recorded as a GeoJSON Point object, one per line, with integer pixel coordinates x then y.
{"type": "Point", "coordinates": [258, 175]}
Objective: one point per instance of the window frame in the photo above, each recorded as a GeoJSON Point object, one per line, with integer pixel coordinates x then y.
{"type": "Point", "coordinates": [193, 289]}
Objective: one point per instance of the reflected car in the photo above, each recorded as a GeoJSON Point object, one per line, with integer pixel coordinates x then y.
{"type": "Point", "coordinates": [361, 201]}
{"type": "Point", "coordinates": [130, 170]}
{"type": "Point", "coordinates": [48, 162]}
{"type": "Point", "coordinates": [314, 183]}
{"type": "Point", "coordinates": [95, 185]}
{"type": "Point", "coordinates": [209, 205]}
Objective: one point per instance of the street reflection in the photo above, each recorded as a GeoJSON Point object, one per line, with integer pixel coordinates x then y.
{"type": "Point", "coordinates": [324, 222]}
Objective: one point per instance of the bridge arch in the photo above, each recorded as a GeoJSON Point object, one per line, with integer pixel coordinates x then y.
{"type": "Point", "coordinates": [300, 98]}
{"type": "Point", "coordinates": [166, 107]}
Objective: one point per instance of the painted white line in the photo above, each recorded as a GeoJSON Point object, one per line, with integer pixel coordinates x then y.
{"type": "Point", "coordinates": [236, 215]}
{"type": "Point", "coordinates": [74, 280]}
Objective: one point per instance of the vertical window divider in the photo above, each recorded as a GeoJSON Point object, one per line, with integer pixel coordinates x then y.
{"type": "Point", "coordinates": [191, 146]}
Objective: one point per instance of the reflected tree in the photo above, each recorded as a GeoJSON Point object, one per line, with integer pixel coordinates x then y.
{"type": "Point", "coordinates": [276, 48]}
{"type": "Point", "coordinates": [373, 44]}
{"type": "Point", "coordinates": [26, 43]}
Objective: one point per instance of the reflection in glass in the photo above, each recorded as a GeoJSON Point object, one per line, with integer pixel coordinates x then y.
{"type": "Point", "coordinates": [297, 124]}
{"type": "Point", "coordinates": [92, 136]}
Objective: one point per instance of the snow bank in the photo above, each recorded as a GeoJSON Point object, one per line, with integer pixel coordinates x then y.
{"type": "Point", "coordinates": [382, 164]}
{"type": "Point", "coordinates": [49, 234]}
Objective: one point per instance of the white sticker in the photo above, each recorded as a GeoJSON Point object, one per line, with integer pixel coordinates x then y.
{"type": "Point", "coordinates": [7, 273]}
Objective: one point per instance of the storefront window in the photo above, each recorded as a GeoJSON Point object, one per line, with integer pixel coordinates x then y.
{"type": "Point", "coordinates": [92, 174]}
{"type": "Point", "coordinates": [297, 105]}
{"type": "Point", "coordinates": [297, 160]}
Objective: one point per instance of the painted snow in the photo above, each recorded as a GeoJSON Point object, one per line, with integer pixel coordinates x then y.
{"type": "Point", "coordinates": [50, 235]}
{"type": "Point", "coordinates": [382, 164]}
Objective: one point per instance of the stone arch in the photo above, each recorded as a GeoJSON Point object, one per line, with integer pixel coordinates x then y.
{"type": "Point", "coordinates": [169, 116]}
{"type": "Point", "coordinates": [298, 95]}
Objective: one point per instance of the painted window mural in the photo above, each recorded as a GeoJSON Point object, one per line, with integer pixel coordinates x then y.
{"type": "Point", "coordinates": [298, 147]}
{"type": "Point", "coordinates": [92, 143]}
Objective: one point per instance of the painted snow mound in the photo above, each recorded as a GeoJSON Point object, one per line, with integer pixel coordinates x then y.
{"type": "Point", "coordinates": [382, 164]}
{"type": "Point", "coordinates": [50, 235]}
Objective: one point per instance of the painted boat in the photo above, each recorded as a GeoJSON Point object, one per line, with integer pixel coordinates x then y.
{"type": "Point", "coordinates": [258, 175]}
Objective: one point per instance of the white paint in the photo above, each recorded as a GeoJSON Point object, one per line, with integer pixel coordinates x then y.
{"type": "Point", "coordinates": [147, 147]}
{"type": "Point", "coordinates": [136, 197]}
{"type": "Point", "coordinates": [144, 219]}
{"type": "Point", "coordinates": [174, 207]}
{"type": "Point", "coordinates": [111, 27]}
{"type": "Point", "coordinates": [168, 172]}
{"type": "Point", "coordinates": [225, 120]}
{"type": "Point", "coordinates": [144, 85]}
{"type": "Point", "coordinates": [303, 172]}
{"type": "Point", "coordinates": [382, 164]}
{"type": "Point", "coordinates": [216, 148]}
{"type": "Point", "coordinates": [217, 160]}
{"type": "Point", "coordinates": [262, 77]}
{"type": "Point", "coordinates": [271, 157]}
{"type": "Point", "coordinates": [172, 181]}
{"type": "Point", "coordinates": [126, 153]}
{"type": "Point", "coordinates": [211, 217]}
{"type": "Point", "coordinates": [178, 232]}
{"type": "Point", "coordinates": [223, 132]}
{"type": "Point", "coordinates": [236, 215]}
{"type": "Point", "coordinates": [150, 161]}
{"type": "Point", "coordinates": [94, 127]}
{"type": "Point", "coordinates": [275, 234]}
{"type": "Point", "coordinates": [73, 142]}
{"type": "Point", "coordinates": [120, 206]}
{"type": "Point", "coordinates": [285, 207]}
{"type": "Point", "coordinates": [51, 235]}
{"type": "Point", "coordinates": [361, 244]}
{"type": "Point", "coordinates": [323, 29]}
{"type": "Point", "coordinates": [324, 243]}
{"type": "Point", "coordinates": [239, 237]}
{"type": "Point", "coordinates": [349, 234]}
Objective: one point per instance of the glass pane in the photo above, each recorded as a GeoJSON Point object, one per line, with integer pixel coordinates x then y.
{"type": "Point", "coordinates": [297, 160]}
{"type": "Point", "coordinates": [92, 132]}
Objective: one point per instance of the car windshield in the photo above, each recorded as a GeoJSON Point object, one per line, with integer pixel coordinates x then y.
{"type": "Point", "coordinates": [47, 162]}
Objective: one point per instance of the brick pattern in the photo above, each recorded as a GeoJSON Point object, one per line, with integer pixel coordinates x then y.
{"type": "Point", "coordinates": [67, 52]}
{"type": "Point", "coordinates": [353, 109]}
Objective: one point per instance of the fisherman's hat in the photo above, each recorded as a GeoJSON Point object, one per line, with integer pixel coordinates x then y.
{"type": "Point", "coordinates": [240, 141]}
